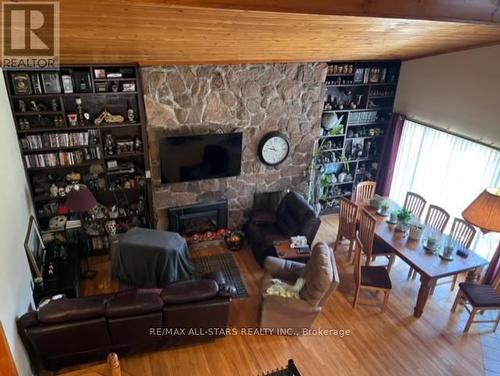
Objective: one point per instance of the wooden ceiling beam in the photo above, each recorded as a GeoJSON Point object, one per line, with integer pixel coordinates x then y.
{"type": "Point", "coordinates": [477, 11]}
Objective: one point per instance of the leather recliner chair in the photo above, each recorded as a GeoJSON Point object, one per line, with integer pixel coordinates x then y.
{"type": "Point", "coordinates": [291, 314]}
{"type": "Point", "coordinates": [294, 216]}
{"type": "Point", "coordinates": [77, 330]}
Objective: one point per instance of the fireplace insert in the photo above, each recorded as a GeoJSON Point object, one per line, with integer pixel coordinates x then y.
{"type": "Point", "coordinates": [198, 218]}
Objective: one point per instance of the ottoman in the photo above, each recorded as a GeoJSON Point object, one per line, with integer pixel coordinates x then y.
{"type": "Point", "coordinates": [150, 258]}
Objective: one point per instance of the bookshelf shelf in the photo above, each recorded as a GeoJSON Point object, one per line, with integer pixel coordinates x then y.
{"type": "Point", "coordinates": [370, 87]}
{"type": "Point", "coordinates": [47, 138]}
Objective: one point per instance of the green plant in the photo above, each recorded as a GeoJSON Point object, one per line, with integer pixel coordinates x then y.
{"type": "Point", "coordinates": [337, 126]}
{"type": "Point", "coordinates": [404, 216]}
{"type": "Point", "coordinates": [345, 162]}
{"type": "Point", "coordinates": [384, 206]}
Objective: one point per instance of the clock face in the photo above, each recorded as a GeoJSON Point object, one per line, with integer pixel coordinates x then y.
{"type": "Point", "coordinates": [274, 149]}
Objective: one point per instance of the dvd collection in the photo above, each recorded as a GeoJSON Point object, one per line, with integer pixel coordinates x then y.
{"type": "Point", "coordinates": [59, 140]}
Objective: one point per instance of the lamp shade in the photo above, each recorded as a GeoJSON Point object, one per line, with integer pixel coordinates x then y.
{"type": "Point", "coordinates": [484, 211]}
{"type": "Point", "coordinates": [80, 199]}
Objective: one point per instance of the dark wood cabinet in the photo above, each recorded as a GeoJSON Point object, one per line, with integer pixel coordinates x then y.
{"type": "Point", "coordinates": [358, 106]}
{"type": "Point", "coordinates": [88, 120]}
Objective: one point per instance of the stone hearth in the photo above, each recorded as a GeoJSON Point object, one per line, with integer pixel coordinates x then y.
{"type": "Point", "coordinates": [253, 99]}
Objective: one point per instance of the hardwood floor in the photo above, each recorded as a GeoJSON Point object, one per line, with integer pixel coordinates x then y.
{"type": "Point", "coordinates": [389, 343]}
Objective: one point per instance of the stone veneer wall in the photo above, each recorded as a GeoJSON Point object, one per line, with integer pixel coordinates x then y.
{"type": "Point", "coordinates": [254, 99]}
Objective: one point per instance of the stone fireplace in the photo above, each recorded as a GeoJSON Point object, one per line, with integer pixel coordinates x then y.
{"type": "Point", "coordinates": [198, 218]}
{"type": "Point", "coordinates": [254, 99]}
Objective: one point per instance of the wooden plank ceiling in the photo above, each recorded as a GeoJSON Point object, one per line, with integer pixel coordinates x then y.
{"type": "Point", "coordinates": [154, 33]}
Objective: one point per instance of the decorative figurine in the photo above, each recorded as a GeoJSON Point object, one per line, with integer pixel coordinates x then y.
{"type": "Point", "coordinates": [53, 105]}
{"type": "Point", "coordinates": [79, 111]}
{"type": "Point", "coordinates": [137, 144]}
{"type": "Point", "coordinates": [107, 117]}
{"type": "Point", "coordinates": [131, 115]}
{"type": "Point", "coordinates": [109, 145]}
{"type": "Point", "coordinates": [110, 228]}
{"type": "Point", "coordinates": [22, 105]}
{"type": "Point", "coordinates": [53, 190]}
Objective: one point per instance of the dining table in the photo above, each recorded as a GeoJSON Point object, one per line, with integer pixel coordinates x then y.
{"type": "Point", "coordinates": [430, 266]}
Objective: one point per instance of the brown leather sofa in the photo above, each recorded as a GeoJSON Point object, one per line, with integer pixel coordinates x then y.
{"type": "Point", "coordinates": [70, 331]}
{"type": "Point", "coordinates": [294, 216]}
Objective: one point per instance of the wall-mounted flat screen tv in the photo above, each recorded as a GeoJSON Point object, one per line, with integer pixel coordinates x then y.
{"type": "Point", "coordinates": [188, 158]}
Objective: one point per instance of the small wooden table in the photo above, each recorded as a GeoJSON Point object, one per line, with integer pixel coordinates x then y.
{"type": "Point", "coordinates": [285, 251]}
{"type": "Point", "coordinates": [430, 267]}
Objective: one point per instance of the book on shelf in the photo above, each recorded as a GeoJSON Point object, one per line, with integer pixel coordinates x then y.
{"type": "Point", "coordinates": [63, 158]}
{"type": "Point", "coordinates": [58, 140]}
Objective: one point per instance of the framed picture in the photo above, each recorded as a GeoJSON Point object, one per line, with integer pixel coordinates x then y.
{"type": "Point", "coordinates": [21, 83]}
{"type": "Point", "coordinates": [128, 86]}
{"type": "Point", "coordinates": [358, 75]}
{"type": "Point", "coordinates": [374, 75]}
{"type": "Point", "coordinates": [67, 83]}
{"type": "Point", "coordinates": [37, 85]}
{"type": "Point", "coordinates": [35, 250]}
{"type": "Point", "coordinates": [99, 73]}
{"type": "Point", "coordinates": [51, 83]}
{"type": "Point", "coordinates": [101, 87]}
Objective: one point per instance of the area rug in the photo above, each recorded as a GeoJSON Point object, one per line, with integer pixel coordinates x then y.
{"type": "Point", "coordinates": [222, 263]}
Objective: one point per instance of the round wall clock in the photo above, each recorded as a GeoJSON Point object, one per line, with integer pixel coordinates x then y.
{"type": "Point", "coordinates": [273, 148]}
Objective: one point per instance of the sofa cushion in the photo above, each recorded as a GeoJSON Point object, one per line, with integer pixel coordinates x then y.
{"type": "Point", "coordinates": [271, 233]}
{"type": "Point", "coordinates": [134, 302]}
{"type": "Point", "coordinates": [75, 309]}
{"type": "Point", "coordinates": [190, 291]}
{"type": "Point", "coordinates": [318, 274]}
{"type": "Point", "coordinates": [293, 213]}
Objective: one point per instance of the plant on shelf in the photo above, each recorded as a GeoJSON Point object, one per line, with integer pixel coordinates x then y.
{"type": "Point", "coordinates": [345, 162]}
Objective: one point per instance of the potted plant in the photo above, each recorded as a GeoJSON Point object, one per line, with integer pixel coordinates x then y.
{"type": "Point", "coordinates": [403, 219]}
{"type": "Point", "coordinates": [416, 231]}
{"type": "Point", "coordinates": [384, 207]}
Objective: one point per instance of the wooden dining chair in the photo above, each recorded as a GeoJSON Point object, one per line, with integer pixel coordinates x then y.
{"type": "Point", "coordinates": [348, 216]}
{"type": "Point", "coordinates": [375, 278]}
{"type": "Point", "coordinates": [415, 204]}
{"type": "Point", "coordinates": [364, 191]}
{"type": "Point", "coordinates": [463, 233]}
{"type": "Point", "coordinates": [481, 298]}
{"type": "Point", "coordinates": [372, 247]}
{"type": "Point", "coordinates": [437, 218]}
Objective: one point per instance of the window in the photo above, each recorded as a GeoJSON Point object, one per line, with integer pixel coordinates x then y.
{"type": "Point", "coordinates": [448, 171]}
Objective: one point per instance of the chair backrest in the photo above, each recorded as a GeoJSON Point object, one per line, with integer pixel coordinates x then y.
{"type": "Point", "coordinates": [357, 261]}
{"type": "Point", "coordinates": [462, 232]}
{"type": "Point", "coordinates": [320, 274]}
{"type": "Point", "coordinates": [348, 215]}
{"type": "Point", "coordinates": [364, 191]}
{"type": "Point", "coordinates": [366, 232]}
{"type": "Point", "coordinates": [437, 218]}
{"type": "Point", "coordinates": [414, 203]}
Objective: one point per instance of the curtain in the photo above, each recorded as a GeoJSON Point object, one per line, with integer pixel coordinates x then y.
{"type": "Point", "coordinates": [447, 171]}
{"type": "Point", "coordinates": [389, 155]}
{"type": "Point", "coordinates": [493, 268]}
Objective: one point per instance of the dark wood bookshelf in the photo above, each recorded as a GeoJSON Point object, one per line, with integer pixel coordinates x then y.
{"type": "Point", "coordinates": [49, 118]}
{"type": "Point", "coordinates": [366, 93]}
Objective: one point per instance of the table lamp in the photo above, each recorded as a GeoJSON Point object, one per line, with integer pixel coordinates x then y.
{"type": "Point", "coordinates": [484, 212]}
{"type": "Point", "coordinates": [81, 200]}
